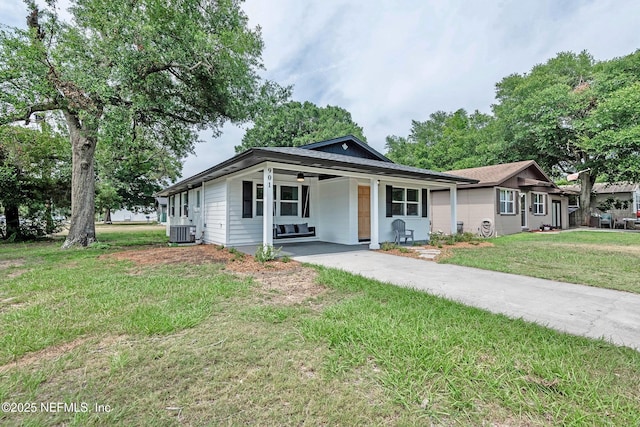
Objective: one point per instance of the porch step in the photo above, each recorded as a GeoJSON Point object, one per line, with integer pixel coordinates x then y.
{"type": "Point", "coordinates": [427, 253]}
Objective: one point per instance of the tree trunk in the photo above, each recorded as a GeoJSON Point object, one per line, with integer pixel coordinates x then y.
{"type": "Point", "coordinates": [107, 215]}
{"type": "Point", "coordinates": [82, 231]}
{"type": "Point", "coordinates": [12, 218]}
{"type": "Point", "coordinates": [586, 185]}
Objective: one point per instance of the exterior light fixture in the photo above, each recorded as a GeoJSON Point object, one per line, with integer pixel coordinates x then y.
{"type": "Point", "coordinates": [300, 177]}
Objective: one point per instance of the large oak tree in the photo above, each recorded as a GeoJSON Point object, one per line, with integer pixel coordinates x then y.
{"type": "Point", "coordinates": [574, 114]}
{"type": "Point", "coordinates": [169, 68]}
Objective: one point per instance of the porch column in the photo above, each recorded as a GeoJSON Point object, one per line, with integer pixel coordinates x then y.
{"type": "Point", "coordinates": [453, 200]}
{"type": "Point", "coordinates": [375, 239]}
{"type": "Point", "coordinates": [267, 211]}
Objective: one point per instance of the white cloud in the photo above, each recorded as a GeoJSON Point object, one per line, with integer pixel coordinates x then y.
{"type": "Point", "coordinates": [391, 62]}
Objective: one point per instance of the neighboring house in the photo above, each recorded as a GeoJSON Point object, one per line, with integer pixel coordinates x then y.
{"type": "Point", "coordinates": [514, 197]}
{"type": "Point", "coordinates": [162, 209]}
{"type": "Point", "coordinates": [339, 191]}
{"type": "Point", "coordinates": [621, 200]}
{"type": "Point", "coordinates": [138, 215]}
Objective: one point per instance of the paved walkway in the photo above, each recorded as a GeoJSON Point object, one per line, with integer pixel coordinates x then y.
{"type": "Point", "coordinates": [576, 309]}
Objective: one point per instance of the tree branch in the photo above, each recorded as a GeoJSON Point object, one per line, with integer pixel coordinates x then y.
{"type": "Point", "coordinates": [26, 115]}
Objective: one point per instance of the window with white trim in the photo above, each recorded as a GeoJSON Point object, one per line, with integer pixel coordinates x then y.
{"type": "Point", "coordinates": [260, 199]}
{"type": "Point", "coordinates": [286, 200]}
{"type": "Point", "coordinates": [539, 207]}
{"type": "Point", "coordinates": [185, 204]}
{"type": "Point", "coordinates": [406, 201]}
{"type": "Point", "coordinates": [507, 202]}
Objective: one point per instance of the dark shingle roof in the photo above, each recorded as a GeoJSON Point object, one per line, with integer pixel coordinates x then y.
{"type": "Point", "coordinates": [312, 158]}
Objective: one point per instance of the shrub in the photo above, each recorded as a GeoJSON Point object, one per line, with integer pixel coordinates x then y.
{"type": "Point", "coordinates": [266, 253]}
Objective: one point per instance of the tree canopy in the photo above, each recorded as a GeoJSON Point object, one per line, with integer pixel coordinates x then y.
{"type": "Point", "coordinates": [574, 114]}
{"type": "Point", "coordinates": [150, 70]}
{"type": "Point", "coordinates": [293, 124]}
{"type": "Point", "coordinates": [447, 141]}
{"type": "Point", "coordinates": [570, 114]}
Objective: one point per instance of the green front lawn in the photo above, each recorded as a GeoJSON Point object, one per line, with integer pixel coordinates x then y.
{"type": "Point", "coordinates": [196, 345]}
{"type": "Point", "coordinates": [603, 259]}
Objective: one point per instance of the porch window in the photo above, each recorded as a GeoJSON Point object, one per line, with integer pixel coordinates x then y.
{"type": "Point", "coordinates": [172, 205]}
{"type": "Point", "coordinates": [508, 202]}
{"type": "Point", "coordinates": [288, 200]}
{"type": "Point", "coordinates": [405, 201]}
{"type": "Point", "coordinates": [539, 207]}
{"type": "Point", "coordinates": [260, 199]}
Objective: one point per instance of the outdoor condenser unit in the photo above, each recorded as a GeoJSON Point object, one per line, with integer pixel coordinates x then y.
{"type": "Point", "coordinates": [182, 234]}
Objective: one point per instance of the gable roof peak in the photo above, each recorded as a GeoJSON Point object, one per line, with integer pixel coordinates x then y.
{"type": "Point", "coordinates": [346, 142]}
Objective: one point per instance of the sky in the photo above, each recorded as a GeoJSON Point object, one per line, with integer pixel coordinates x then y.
{"type": "Point", "coordinates": [391, 62]}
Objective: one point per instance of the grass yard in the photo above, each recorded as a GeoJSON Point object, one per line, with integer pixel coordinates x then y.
{"type": "Point", "coordinates": [602, 259]}
{"type": "Point", "coordinates": [197, 344]}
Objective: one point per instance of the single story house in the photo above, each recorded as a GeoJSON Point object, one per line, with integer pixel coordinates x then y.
{"type": "Point", "coordinates": [505, 199]}
{"type": "Point", "coordinates": [340, 191]}
{"type": "Point", "coordinates": [621, 200]}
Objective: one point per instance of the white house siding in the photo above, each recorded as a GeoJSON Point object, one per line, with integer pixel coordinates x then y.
{"type": "Point", "coordinates": [215, 212]}
{"type": "Point", "coordinates": [473, 207]}
{"type": "Point", "coordinates": [335, 214]}
{"type": "Point", "coordinates": [419, 224]}
{"type": "Point", "coordinates": [242, 231]}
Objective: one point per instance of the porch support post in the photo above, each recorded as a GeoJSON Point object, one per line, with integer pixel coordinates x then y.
{"type": "Point", "coordinates": [267, 211]}
{"type": "Point", "coordinates": [453, 200]}
{"type": "Point", "coordinates": [375, 239]}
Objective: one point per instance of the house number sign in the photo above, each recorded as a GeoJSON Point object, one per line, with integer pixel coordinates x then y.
{"type": "Point", "coordinates": [269, 177]}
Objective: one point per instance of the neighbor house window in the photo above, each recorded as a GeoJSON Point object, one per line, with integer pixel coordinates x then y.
{"type": "Point", "coordinates": [539, 207]}
{"type": "Point", "coordinates": [507, 202]}
{"type": "Point", "coordinates": [406, 201]}
{"type": "Point", "coordinates": [172, 203]}
{"type": "Point", "coordinates": [198, 198]}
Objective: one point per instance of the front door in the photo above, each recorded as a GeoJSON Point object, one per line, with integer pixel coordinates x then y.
{"type": "Point", "coordinates": [523, 210]}
{"type": "Point", "coordinates": [364, 213]}
{"type": "Point", "coordinates": [556, 214]}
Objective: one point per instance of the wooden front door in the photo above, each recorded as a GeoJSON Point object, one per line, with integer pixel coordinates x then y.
{"type": "Point", "coordinates": [364, 213]}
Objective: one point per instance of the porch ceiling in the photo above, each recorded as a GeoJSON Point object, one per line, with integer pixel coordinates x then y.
{"type": "Point", "coordinates": [316, 159]}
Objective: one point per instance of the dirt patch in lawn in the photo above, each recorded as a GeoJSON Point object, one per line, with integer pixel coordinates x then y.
{"type": "Point", "coordinates": [7, 263]}
{"type": "Point", "coordinates": [288, 287]}
{"type": "Point", "coordinates": [49, 353]}
{"type": "Point", "coordinates": [282, 283]}
{"type": "Point", "coordinates": [200, 254]}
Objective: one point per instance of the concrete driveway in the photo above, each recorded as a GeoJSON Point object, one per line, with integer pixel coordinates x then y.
{"type": "Point", "coordinates": [575, 309]}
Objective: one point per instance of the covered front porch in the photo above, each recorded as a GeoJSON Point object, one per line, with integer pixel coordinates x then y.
{"type": "Point", "coordinates": [326, 205]}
